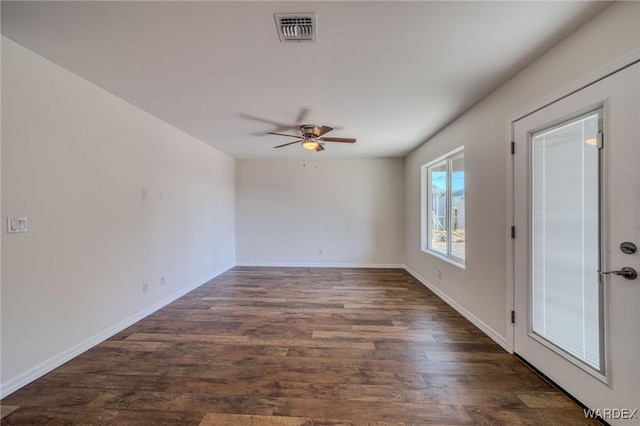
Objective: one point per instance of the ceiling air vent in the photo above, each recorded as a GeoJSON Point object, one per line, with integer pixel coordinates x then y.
{"type": "Point", "coordinates": [296, 26]}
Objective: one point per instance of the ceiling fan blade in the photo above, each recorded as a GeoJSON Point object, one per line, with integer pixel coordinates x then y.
{"type": "Point", "coordinates": [266, 120]}
{"type": "Point", "coordinates": [302, 115]}
{"type": "Point", "coordinates": [344, 140]}
{"type": "Point", "coordinates": [286, 144]}
{"type": "Point", "coordinates": [319, 148]}
{"type": "Point", "coordinates": [322, 130]}
{"type": "Point", "coordinates": [282, 134]}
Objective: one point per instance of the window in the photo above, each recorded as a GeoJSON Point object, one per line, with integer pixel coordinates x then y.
{"type": "Point", "coordinates": [443, 212]}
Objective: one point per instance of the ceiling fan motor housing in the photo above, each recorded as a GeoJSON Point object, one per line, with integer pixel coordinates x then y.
{"type": "Point", "coordinates": [309, 130]}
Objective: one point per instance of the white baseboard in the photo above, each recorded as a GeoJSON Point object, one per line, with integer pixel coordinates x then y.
{"type": "Point", "coordinates": [494, 335]}
{"type": "Point", "coordinates": [321, 265]}
{"type": "Point", "coordinates": [12, 385]}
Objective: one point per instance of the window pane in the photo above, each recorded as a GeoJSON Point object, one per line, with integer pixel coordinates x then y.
{"type": "Point", "coordinates": [439, 220]}
{"type": "Point", "coordinates": [565, 302]}
{"type": "Point", "coordinates": [457, 207]}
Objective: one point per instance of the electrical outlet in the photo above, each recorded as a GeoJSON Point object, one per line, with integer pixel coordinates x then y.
{"type": "Point", "coordinates": [162, 281]}
{"type": "Point", "coordinates": [161, 196]}
{"type": "Point", "coordinates": [145, 195]}
{"type": "Point", "coordinates": [320, 252]}
{"type": "Point", "coordinates": [145, 287]}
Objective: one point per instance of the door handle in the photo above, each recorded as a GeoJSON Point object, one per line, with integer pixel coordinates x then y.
{"type": "Point", "coordinates": [626, 272]}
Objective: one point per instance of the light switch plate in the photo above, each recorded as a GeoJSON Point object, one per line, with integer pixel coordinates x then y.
{"type": "Point", "coordinates": [16, 225]}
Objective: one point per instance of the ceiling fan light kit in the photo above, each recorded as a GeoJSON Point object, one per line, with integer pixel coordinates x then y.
{"type": "Point", "coordinates": [310, 137]}
{"type": "Point", "coordinates": [310, 144]}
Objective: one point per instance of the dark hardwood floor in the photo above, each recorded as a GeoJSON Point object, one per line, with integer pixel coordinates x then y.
{"type": "Point", "coordinates": [296, 346]}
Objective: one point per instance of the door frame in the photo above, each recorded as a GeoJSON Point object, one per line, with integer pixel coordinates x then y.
{"type": "Point", "coordinates": [601, 73]}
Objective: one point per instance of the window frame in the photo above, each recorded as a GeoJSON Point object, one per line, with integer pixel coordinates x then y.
{"type": "Point", "coordinates": [426, 204]}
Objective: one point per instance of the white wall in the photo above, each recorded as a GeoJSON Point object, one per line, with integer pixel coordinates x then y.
{"type": "Point", "coordinates": [480, 288]}
{"type": "Point", "coordinates": [288, 210]}
{"type": "Point", "coordinates": [74, 161]}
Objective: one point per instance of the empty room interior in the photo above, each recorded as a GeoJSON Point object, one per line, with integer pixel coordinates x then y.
{"type": "Point", "coordinates": [301, 212]}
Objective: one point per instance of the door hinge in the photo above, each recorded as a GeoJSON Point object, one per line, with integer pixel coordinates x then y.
{"type": "Point", "coordinates": [513, 317]}
{"type": "Point", "coordinates": [513, 232]}
{"type": "Point", "coordinates": [600, 140]}
{"type": "Point", "coordinates": [513, 148]}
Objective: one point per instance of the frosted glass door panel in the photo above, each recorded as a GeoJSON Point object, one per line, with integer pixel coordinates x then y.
{"type": "Point", "coordinates": [565, 302]}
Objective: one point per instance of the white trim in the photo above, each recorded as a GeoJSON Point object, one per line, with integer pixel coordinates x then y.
{"type": "Point", "coordinates": [602, 72]}
{"type": "Point", "coordinates": [321, 265]}
{"type": "Point", "coordinates": [510, 242]}
{"type": "Point", "coordinates": [579, 84]}
{"type": "Point", "coordinates": [446, 258]}
{"type": "Point", "coordinates": [45, 367]}
{"type": "Point", "coordinates": [494, 335]}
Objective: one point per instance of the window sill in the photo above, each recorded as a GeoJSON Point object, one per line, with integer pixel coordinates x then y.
{"type": "Point", "coordinates": [449, 259]}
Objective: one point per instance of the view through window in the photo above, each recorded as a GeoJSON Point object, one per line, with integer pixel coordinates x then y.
{"type": "Point", "coordinates": [444, 209]}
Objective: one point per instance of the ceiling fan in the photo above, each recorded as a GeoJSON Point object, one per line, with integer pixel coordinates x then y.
{"type": "Point", "coordinates": [310, 137]}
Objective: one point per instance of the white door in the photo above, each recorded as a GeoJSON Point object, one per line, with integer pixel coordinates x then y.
{"type": "Point", "coordinates": [576, 200]}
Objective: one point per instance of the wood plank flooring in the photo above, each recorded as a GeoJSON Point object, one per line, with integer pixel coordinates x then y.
{"type": "Point", "coordinates": [296, 346]}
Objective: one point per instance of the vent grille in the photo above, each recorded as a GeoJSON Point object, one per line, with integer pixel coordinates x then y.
{"type": "Point", "coordinates": [296, 27]}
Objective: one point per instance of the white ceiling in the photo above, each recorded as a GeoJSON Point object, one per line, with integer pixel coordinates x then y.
{"type": "Point", "coordinates": [390, 74]}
